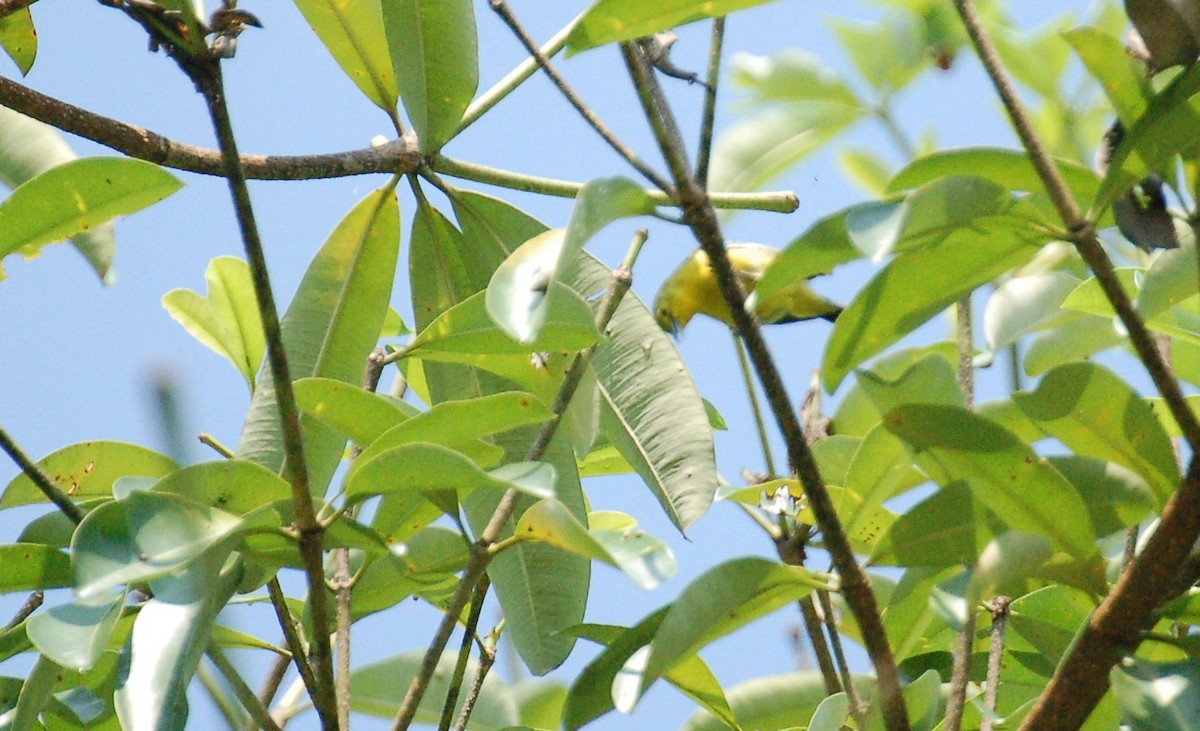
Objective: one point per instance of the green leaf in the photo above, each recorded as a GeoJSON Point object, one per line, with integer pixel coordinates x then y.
{"type": "Point", "coordinates": [329, 328]}
{"type": "Point", "coordinates": [541, 589]}
{"type": "Point", "coordinates": [818, 250]}
{"type": "Point", "coordinates": [888, 54]}
{"type": "Point", "coordinates": [1116, 496]}
{"type": "Point", "coordinates": [1070, 342]}
{"type": "Point", "coordinates": [949, 528]}
{"type": "Point", "coordinates": [75, 634]}
{"type": "Point", "coordinates": [461, 424]}
{"type": "Point", "coordinates": [541, 703]}
{"type": "Point", "coordinates": [867, 169]}
{"type": "Point", "coordinates": [169, 637]}
{"type": "Point", "coordinates": [423, 468]}
{"type": "Point", "coordinates": [19, 38]}
{"type": "Point", "coordinates": [36, 693]}
{"type": "Point", "coordinates": [721, 600]}
{"type": "Point", "coordinates": [436, 59]}
{"type": "Point", "coordinates": [1023, 304]}
{"type": "Point", "coordinates": [1123, 78]}
{"type": "Point", "coordinates": [1004, 474]}
{"type": "Point", "coordinates": [227, 321]}
{"type": "Point", "coordinates": [142, 537]}
{"type": "Point", "coordinates": [930, 214]}
{"type": "Point", "coordinates": [611, 680]}
{"type": "Point", "coordinates": [521, 291]}
{"type": "Point", "coordinates": [33, 567]}
{"type": "Point", "coordinates": [1096, 414]}
{"type": "Point", "coordinates": [641, 375]}
{"type": "Point", "coordinates": [791, 75]}
{"type": "Point", "coordinates": [610, 21]}
{"type": "Point", "coordinates": [351, 410]}
{"type": "Point", "coordinates": [763, 145]}
{"type": "Point", "coordinates": [353, 32]}
{"type": "Point", "coordinates": [613, 538]}
{"type": "Point", "coordinates": [1011, 556]}
{"type": "Point", "coordinates": [1009, 168]}
{"type": "Point", "coordinates": [77, 196]}
{"type": "Point", "coordinates": [232, 485]}
{"type": "Point", "coordinates": [377, 690]}
{"type": "Point", "coordinates": [27, 149]}
{"type": "Point", "coordinates": [88, 470]}
{"type": "Point", "coordinates": [1158, 696]}
{"type": "Point", "coordinates": [774, 701]}
{"type": "Point", "coordinates": [470, 328]}
{"type": "Point", "coordinates": [917, 285]}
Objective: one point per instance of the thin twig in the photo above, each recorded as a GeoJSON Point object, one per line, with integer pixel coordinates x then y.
{"type": "Point", "coordinates": [708, 116]}
{"type": "Point", "coordinates": [139, 142]}
{"type": "Point", "coordinates": [294, 643]}
{"type": "Point", "coordinates": [1000, 614]}
{"type": "Point", "coordinates": [210, 441]}
{"type": "Point", "coordinates": [816, 638]}
{"type": "Point", "coordinates": [501, 8]}
{"type": "Point", "coordinates": [477, 561]}
{"type": "Point", "coordinates": [857, 708]}
{"type": "Point", "coordinates": [40, 479]}
{"type": "Point", "coordinates": [960, 676]}
{"type": "Point", "coordinates": [32, 602]}
{"type": "Point", "coordinates": [342, 595]}
{"type": "Point", "coordinates": [464, 653]}
{"type": "Point", "coordinates": [702, 219]}
{"type": "Point", "coordinates": [206, 73]}
{"type": "Point", "coordinates": [225, 706]}
{"type": "Point", "coordinates": [273, 680]}
{"type": "Point", "coordinates": [1081, 679]}
{"type": "Point", "coordinates": [487, 658]}
{"type": "Point", "coordinates": [502, 88]}
{"type": "Point", "coordinates": [755, 408]}
{"type": "Point", "coordinates": [258, 712]}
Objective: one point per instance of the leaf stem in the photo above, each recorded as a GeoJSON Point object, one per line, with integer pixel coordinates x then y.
{"type": "Point", "coordinates": [1000, 610]}
{"type": "Point", "coordinates": [464, 652]}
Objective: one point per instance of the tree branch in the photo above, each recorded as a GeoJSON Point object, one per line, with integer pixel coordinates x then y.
{"type": "Point", "coordinates": [1114, 628]}
{"type": "Point", "coordinates": [701, 217]}
{"type": "Point", "coordinates": [43, 482]}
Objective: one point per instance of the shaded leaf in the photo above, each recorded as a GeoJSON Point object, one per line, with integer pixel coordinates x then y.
{"type": "Point", "coordinates": [1096, 414]}
{"type": "Point", "coordinates": [1004, 474]}
{"type": "Point", "coordinates": [75, 634]}
{"type": "Point", "coordinates": [377, 690]}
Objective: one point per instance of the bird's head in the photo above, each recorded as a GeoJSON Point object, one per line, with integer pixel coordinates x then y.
{"type": "Point", "coordinates": [668, 315]}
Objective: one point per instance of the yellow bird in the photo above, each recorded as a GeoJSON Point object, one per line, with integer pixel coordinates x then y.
{"type": "Point", "coordinates": [692, 289]}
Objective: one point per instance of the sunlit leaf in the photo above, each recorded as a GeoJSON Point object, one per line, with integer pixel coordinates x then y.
{"type": "Point", "coordinates": [329, 328]}
{"type": "Point", "coordinates": [33, 567]}
{"type": "Point", "coordinates": [75, 634]}
{"type": "Point", "coordinates": [378, 689]}
{"type": "Point", "coordinates": [77, 196]}
{"type": "Point", "coordinates": [435, 56]}
{"type": "Point", "coordinates": [19, 38]}
{"type": "Point", "coordinates": [353, 32]}
{"type": "Point", "coordinates": [609, 21]}
{"type": "Point", "coordinates": [87, 470]}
